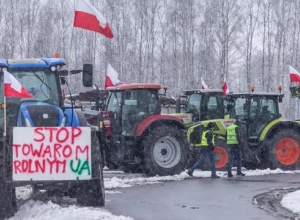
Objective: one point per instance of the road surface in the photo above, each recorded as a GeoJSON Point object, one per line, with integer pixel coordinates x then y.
{"type": "Point", "coordinates": [200, 198]}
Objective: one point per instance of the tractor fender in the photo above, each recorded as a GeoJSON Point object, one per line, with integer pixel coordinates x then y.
{"type": "Point", "coordinates": [276, 125]}
{"type": "Point", "coordinates": [156, 120]}
{"type": "Point", "coordinates": [78, 118]}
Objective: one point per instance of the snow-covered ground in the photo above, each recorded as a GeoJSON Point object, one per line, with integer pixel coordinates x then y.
{"type": "Point", "coordinates": [122, 182]}
{"type": "Point", "coordinates": [38, 210]}
{"type": "Point", "coordinates": [291, 201]}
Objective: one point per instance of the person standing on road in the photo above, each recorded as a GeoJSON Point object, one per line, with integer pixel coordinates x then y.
{"type": "Point", "coordinates": [234, 150]}
{"type": "Point", "coordinates": [207, 148]}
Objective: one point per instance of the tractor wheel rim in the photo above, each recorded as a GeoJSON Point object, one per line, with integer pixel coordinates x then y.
{"type": "Point", "coordinates": [167, 152]}
{"type": "Point", "coordinates": [221, 157]}
{"type": "Point", "coordinates": [287, 151]}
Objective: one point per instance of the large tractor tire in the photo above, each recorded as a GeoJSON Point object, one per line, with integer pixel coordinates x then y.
{"type": "Point", "coordinates": [165, 151]}
{"type": "Point", "coordinates": [221, 156]}
{"type": "Point", "coordinates": [92, 193]}
{"type": "Point", "coordinates": [283, 150]}
{"type": "Point", "coordinates": [8, 200]}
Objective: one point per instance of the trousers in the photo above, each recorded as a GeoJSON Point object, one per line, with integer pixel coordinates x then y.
{"type": "Point", "coordinates": [204, 153]}
{"type": "Point", "coordinates": [234, 151]}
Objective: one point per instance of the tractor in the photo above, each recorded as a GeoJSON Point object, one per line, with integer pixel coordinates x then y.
{"type": "Point", "coordinates": [268, 141]}
{"type": "Point", "coordinates": [42, 163]}
{"type": "Point", "coordinates": [136, 136]}
{"type": "Point", "coordinates": [200, 105]}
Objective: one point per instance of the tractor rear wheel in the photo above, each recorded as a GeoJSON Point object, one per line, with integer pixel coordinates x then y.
{"type": "Point", "coordinates": [283, 150]}
{"type": "Point", "coordinates": [165, 151]}
{"type": "Point", "coordinates": [92, 193]}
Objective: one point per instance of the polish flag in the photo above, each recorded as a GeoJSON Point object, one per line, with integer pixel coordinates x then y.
{"type": "Point", "coordinates": [225, 88]}
{"type": "Point", "coordinates": [89, 18]}
{"type": "Point", "coordinates": [294, 75]}
{"type": "Point", "coordinates": [203, 84]}
{"type": "Point", "coordinates": [111, 77]}
{"type": "Point", "coordinates": [12, 87]}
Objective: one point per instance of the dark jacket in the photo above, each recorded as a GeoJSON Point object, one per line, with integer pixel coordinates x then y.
{"type": "Point", "coordinates": [209, 137]}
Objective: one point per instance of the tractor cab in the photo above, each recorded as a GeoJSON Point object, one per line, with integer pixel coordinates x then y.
{"type": "Point", "coordinates": [204, 104]}
{"type": "Point", "coordinates": [42, 79]}
{"type": "Point", "coordinates": [255, 110]}
{"type": "Point", "coordinates": [129, 104]}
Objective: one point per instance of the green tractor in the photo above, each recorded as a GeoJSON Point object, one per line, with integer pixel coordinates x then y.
{"type": "Point", "coordinates": [269, 141]}
{"type": "Point", "coordinates": [201, 105]}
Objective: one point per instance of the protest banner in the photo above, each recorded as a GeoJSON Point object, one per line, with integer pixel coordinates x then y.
{"type": "Point", "coordinates": [51, 153]}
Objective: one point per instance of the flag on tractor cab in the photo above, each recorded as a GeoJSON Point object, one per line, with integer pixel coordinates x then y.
{"type": "Point", "coordinates": [89, 18]}
{"type": "Point", "coordinates": [294, 75]}
{"type": "Point", "coordinates": [111, 77]}
{"type": "Point", "coordinates": [225, 88]}
{"type": "Point", "coordinates": [203, 84]}
{"type": "Point", "coordinates": [12, 87]}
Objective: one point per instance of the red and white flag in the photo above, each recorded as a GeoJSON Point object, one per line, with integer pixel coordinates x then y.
{"type": "Point", "coordinates": [225, 88]}
{"type": "Point", "coordinates": [294, 75]}
{"type": "Point", "coordinates": [12, 87]}
{"type": "Point", "coordinates": [111, 77]}
{"type": "Point", "coordinates": [89, 18]}
{"type": "Point", "coordinates": [203, 84]}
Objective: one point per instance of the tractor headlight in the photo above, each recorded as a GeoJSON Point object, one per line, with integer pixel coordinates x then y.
{"type": "Point", "coordinates": [27, 123]}
{"type": "Point", "coordinates": [4, 69]}
{"type": "Point", "coordinates": [53, 68]}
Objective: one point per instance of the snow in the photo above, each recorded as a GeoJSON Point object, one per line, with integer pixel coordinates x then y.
{"type": "Point", "coordinates": [123, 182]}
{"type": "Point", "coordinates": [291, 201]}
{"type": "Point", "coordinates": [38, 210]}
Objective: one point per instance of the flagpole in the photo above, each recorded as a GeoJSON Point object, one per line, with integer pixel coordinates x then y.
{"type": "Point", "coordinates": [4, 129]}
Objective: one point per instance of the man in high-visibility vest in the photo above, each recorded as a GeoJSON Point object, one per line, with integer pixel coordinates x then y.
{"type": "Point", "coordinates": [234, 150]}
{"type": "Point", "coordinates": [207, 148]}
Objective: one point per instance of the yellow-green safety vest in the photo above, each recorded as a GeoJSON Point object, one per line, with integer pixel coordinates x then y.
{"type": "Point", "coordinates": [231, 135]}
{"type": "Point", "coordinates": [204, 139]}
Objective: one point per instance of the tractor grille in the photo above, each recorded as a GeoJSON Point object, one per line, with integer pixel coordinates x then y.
{"type": "Point", "coordinates": [43, 116]}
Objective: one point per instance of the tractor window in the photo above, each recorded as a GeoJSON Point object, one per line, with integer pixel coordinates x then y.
{"type": "Point", "coordinates": [212, 106]}
{"type": "Point", "coordinates": [114, 102]}
{"type": "Point", "coordinates": [240, 108]}
{"type": "Point", "coordinates": [193, 103]}
{"type": "Point", "coordinates": [41, 84]}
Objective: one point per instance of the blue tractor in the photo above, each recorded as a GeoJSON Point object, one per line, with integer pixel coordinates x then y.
{"type": "Point", "coordinates": [43, 78]}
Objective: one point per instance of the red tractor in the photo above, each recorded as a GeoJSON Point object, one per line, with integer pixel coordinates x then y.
{"type": "Point", "coordinates": [137, 136]}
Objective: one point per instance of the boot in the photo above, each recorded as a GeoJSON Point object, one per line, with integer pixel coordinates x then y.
{"type": "Point", "coordinates": [240, 174]}
{"type": "Point", "coordinates": [214, 176]}
{"type": "Point", "coordinates": [190, 173]}
{"type": "Point", "coordinates": [230, 174]}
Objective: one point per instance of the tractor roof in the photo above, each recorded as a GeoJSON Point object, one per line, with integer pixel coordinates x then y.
{"type": "Point", "coordinates": [251, 94]}
{"type": "Point", "coordinates": [204, 91]}
{"type": "Point", "coordinates": [31, 63]}
{"type": "Point", "coordinates": [135, 86]}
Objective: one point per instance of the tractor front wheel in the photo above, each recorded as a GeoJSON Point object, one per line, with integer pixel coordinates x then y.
{"type": "Point", "coordinates": [283, 150]}
{"type": "Point", "coordinates": [92, 193]}
{"type": "Point", "coordinates": [8, 201]}
{"type": "Point", "coordinates": [165, 151]}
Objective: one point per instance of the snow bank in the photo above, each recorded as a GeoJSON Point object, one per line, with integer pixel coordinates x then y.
{"type": "Point", "coordinates": [117, 182]}
{"type": "Point", "coordinates": [291, 201]}
{"type": "Point", "coordinates": [37, 210]}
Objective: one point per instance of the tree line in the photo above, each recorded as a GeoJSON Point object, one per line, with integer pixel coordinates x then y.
{"type": "Point", "coordinates": [172, 42]}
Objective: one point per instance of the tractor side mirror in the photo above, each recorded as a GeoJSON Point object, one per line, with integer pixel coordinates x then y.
{"type": "Point", "coordinates": [87, 75]}
{"type": "Point", "coordinates": [280, 99]}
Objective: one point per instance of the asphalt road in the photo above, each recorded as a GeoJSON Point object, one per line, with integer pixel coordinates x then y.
{"type": "Point", "coordinates": [200, 198]}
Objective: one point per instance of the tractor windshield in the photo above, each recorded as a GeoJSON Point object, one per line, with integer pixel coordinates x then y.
{"type": "Point", "coordinates": [193, 102]}
{"type": "Point", "coordinates": [41, 84]}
